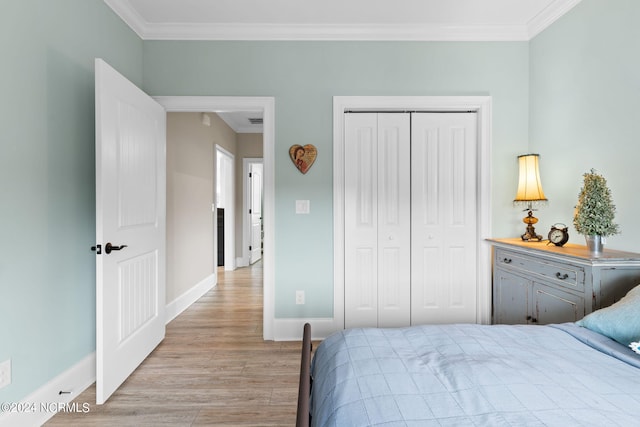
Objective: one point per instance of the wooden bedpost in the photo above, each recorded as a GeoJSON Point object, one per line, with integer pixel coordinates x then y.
{"type": "Point", "coordinates": [304, 390]}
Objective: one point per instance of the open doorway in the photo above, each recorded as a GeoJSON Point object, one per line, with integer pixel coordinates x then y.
{"type": "Point", "coordinates": [266, 106]}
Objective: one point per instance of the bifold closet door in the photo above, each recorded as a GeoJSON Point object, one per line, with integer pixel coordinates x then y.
{"type": "Point", "coordinates": [377, 219]}
{"type": "Point", "coordinates": [443, 218]}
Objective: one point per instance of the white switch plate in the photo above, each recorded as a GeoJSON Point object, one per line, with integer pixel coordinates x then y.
{"type": "Point", "coordinates": [302, 206]}
{"type": "Point", "coordinates": [299, 297]}
{"type": "Point", "coordinates": [5, 373]}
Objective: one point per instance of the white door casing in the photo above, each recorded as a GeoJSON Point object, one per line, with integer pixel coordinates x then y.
{"type": "Point", "coordinates": [377, 238]}
{"type": "Point", "coordinates": [130, 210]}
{"type": "Point", "coordinates": [443, 218]}
{"type": "Point", "coordinates": [479, 104]}
{"type": "Point", "coordinates": [266, 105]}
{"type": "Point", "coordinates": [255, 211]}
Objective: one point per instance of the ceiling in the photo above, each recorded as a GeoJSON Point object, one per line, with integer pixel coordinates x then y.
{"type": "Point", "coordinates": [243, 121]}
{"type": "Point", "coordinates": [365, 20]}
{"type": "Point", "coordinates": [460, 20]}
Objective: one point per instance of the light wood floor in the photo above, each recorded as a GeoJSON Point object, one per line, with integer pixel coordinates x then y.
{"type": "Point", "coordinates": [213, 368]}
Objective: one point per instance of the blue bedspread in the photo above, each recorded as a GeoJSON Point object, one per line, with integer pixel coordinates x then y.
{"type": "Point", "coordinates": [474, 375]}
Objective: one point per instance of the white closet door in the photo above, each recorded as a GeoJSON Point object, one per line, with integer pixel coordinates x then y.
{"type": "Point", "coordinates": [377, 220]}
{"type": "Point", "coordinates": [394, 220]}
{"type": "Point", "coordinates": [443, 218]}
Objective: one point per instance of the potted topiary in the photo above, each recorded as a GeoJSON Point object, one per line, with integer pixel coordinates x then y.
{"type": "Point", "coordinates": [595, 211]}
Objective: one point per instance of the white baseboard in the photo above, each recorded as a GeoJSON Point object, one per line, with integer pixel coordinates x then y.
{"type": "Point", "coordinates": [291, 329]}
{"type": "Point", "coordinates": [180, 304]}
{"type": "Point", "coordinates": [45, 402]}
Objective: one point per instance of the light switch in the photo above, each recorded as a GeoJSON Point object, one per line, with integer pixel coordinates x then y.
{"type": "Point", "coordinates": [302, 206]}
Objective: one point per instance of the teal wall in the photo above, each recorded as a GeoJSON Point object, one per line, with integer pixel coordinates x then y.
{"type": "Point", "coordinates": [585, 111]}
{"type": "Point", "coordinates": [47, 184]}
{"type": "Point", "coordinates": [303, 77]}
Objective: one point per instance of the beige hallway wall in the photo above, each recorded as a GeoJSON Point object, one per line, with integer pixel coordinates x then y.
{"type": "Point", "coordinates": [190, 195]}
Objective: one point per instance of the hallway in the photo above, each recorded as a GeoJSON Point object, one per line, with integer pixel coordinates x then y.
{"type": "Point", "coordinates": [213, 368]}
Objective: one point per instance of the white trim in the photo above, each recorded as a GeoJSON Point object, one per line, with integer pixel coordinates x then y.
{"type": "Point", "coordinates": [336, 32]}
{"type": "Point", "coordinates": [549, 15]}
{"type": "Point", "coordinates": [267, 106]}
{"type": "Point", "coordinates": [479, 104]}
{"type": "Point", "coordinates": [129, 15]}
{"type": "Point", "coordinates": [44, 400]}
{"type": "Point", "coordinates": [184, 301]}
{"type": "Point", "coordinates": [291, 329]}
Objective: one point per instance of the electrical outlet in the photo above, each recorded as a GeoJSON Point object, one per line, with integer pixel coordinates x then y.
{"type": "Point", "coordinates": [5, 373]}
{"type": "Point", "coordinates": [299, 297]}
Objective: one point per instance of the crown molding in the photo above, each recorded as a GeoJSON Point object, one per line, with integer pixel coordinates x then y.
{"type": "Point", "coordinates": [363, 32]}
{"type": "Point", "coordinates": [358, 32]}
{"type": "Point", "coordinates": [129, 15]}
{"type": "Point", "coordinates": [549, 15]}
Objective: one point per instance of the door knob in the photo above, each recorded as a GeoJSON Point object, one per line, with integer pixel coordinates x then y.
{"type": "Point", "coordinates": [109, 247]}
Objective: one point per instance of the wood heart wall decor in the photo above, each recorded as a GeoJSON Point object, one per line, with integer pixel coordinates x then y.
{"type": "Point", "coordinates": [303, 157]}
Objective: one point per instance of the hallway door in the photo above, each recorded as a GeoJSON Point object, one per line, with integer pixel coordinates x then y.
{"type": "Point", "coordinates": [255, 211]}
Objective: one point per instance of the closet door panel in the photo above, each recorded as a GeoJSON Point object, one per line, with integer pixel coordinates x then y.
{"type": "Point", "coordinates": [361, 220]}
{"type": "Point", "coordinates": [444, 234]}
{"type": "Point", "coordinates": [394, 233]}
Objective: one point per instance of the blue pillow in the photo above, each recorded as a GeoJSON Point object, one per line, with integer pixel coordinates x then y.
{"type": "Point", "coordinates": [620, 321]}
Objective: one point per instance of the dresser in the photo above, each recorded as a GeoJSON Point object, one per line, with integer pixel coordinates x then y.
{"type": "Point", "coordinates": [537, 283]}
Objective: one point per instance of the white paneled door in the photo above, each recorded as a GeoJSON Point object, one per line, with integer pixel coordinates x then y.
{"type": "Point", "coordinates": [443, 218]}
{"type": "Point", "coordinates": [130, 227]}
{"type": "Point", "coordinates": [255, 211]}
{"type": "Point", "coordinates": [410, 218]}
{"type": "Point", "coordinates": [377, 219]}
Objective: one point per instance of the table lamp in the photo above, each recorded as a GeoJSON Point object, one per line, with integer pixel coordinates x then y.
{"type": "Point", "coordinates": [529, 192]}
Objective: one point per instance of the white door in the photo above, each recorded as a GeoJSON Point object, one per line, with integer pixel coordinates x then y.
{"type": "Point", "coordinates": [226, 200]}
{"type": "Point", "coordinates": [130, 215]}
{"type": "Point", "coordinates": [443, 218]}
{"type": "Point", "coordinates": [255, 211]}
{"type": "Point", "coordinates": [377, 219]}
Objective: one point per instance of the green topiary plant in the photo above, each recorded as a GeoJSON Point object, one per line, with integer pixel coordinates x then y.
{"type": "Point", "coordinates": [595, 210]}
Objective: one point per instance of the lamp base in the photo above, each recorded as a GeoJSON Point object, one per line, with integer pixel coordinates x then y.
{"type": "Point", "coordinates": [530, 233]}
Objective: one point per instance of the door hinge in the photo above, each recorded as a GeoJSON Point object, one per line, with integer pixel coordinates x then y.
{"type": "Point", "coordinates": [249, 247]}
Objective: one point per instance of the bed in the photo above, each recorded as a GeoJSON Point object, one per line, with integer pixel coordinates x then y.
{"type": "Point", "coordinates": [573, 374]}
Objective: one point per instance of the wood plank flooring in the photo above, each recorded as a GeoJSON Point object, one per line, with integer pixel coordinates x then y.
{"type": "Point", "coordinates": [212, 369]}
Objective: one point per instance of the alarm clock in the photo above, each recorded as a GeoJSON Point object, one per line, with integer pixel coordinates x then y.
{"type": "Point", "coordinates": [559, 234]}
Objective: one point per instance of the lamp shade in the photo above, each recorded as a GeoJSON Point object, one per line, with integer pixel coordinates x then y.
{"type": "Point", "coordinates": [529, 184]}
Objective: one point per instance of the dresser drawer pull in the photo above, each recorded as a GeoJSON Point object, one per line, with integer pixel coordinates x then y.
{"type": "Point", "coordinates": [562, 276]}
{"type": "Point", "coordinates": [507, 260]}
